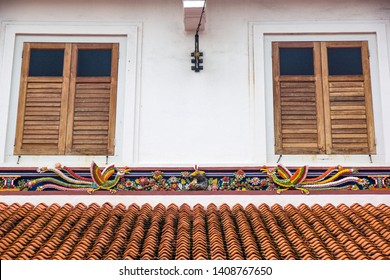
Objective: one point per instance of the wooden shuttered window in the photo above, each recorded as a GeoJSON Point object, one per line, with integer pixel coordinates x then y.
{"type": "Point", "coordinates": [67, 101]}
{"type": "Point", "coordinates": [322, 98]}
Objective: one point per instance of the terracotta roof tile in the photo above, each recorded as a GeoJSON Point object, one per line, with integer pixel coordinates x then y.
{"type": "Point", "coordinates": [202, 232]}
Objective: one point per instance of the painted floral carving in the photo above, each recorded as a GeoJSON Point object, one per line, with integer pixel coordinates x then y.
{"type": "Point", "coordinates": [274, 179]}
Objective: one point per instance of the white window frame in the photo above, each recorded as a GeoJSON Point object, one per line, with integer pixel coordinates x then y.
{"type": "Point", "coordinates": [261, 92]}
{"type": "Point", "coordinates": [13, 35]}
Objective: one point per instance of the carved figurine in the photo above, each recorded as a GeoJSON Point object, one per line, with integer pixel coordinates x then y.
{"type": "Point", "coordinates": [199, 181]}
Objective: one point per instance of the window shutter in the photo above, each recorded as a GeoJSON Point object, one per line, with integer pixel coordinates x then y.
{"type": "Point", "coordinates": [67, 102]}
{"type": "Point", "coordinates": [348, 112]}
{"type": "Point", "coordinates": [298, 105]}
{"type": "Point", "coordinates": [92, 105]}
{"type": "Point", "coordinates": [41, 120]}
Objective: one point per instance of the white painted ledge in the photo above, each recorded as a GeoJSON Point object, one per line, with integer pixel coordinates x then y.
{"type": "Point", "coordinates": [191, 200]}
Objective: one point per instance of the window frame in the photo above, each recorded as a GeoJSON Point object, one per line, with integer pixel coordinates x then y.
{"type": "Point", "coordinates": [260, 86]}
{"type": "Point", "coordinates": [127, 34]}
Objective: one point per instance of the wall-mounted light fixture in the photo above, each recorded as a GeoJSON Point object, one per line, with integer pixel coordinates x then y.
{"type": "Point", "coordinates": [195, 8]}
{"type": "Point", "coordinates": [197, 56]}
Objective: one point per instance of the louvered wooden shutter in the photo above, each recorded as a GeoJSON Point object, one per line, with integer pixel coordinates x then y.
{"type": "Point", "coordinates": [92, 107]}
{"type": "Point", "coordinates": [64, 113]}
{"type": "Point", "coordinates": [325, 112]}
{"type": "Point", "coordinates": [349, 121]}
{"type": "Point", "coordinates": [298, 106]}
{"type": "Point", "coordinates": [41, 120]}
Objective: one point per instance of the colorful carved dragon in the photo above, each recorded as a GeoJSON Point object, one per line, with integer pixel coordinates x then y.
{"type": "Point", "coordinates": [100, 180]}
{"type": "Point", "coordinates": [284, 179]}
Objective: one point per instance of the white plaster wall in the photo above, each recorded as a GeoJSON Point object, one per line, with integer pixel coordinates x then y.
{"type": "Point", "coordinates": [187, 118]}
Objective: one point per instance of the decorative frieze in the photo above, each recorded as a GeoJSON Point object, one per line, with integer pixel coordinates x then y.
{"type": "Point", "coordinates": [275, 179]}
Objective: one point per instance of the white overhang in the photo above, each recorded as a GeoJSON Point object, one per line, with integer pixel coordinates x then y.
{"type": "Point", "coordinates": [192, 12]}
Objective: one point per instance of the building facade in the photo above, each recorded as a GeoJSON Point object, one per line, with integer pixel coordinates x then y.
{"type": "Point", "coordinates": [163, 114]}
{"type": "Point", "coordinates": [292, 98]}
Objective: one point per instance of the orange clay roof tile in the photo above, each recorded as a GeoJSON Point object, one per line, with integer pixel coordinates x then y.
{"type": "Point", "coordinates": [202, 232]}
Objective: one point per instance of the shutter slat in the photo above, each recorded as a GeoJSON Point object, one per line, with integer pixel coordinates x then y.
{"type": "Point", "coordinates": [354, 145]}
{"type": "Point", "coordinates": [348, 126]}
{"type": "Point", "coordinates": [299, 122]}
{"type": "Point", "coordinates": [302, 130]}
{"type": "Point", "coordinates": [349, 135]}
{"type": "Point", "coordinates": [40, 141]}
{"type": "Point", "coordinates": [91, 118]}
{"type": "Point", "coordinates": [300, 145]}
{"type": "Point", "coordinates": [48, 87]}
{"type": "Point", "coordinates": [89, 132]}
{"type": "Point", "coordinates": [87, 136]}
{"type": "Point", "coordinates": [90, 127]}
{"type": "Point", "coordinates": [299, 126]}
{"type": "Point", "coordinates": [349, 131]}
{"type": "Point", "coordinates": [338, 90]}
{"type": "Point", "coordinates": [348, 108]}
{"type": "Point", "coordinates": [301, 136]}
{"type": "Point", "coordinates": [349, 140]}
{"type": "Point", "coordinates": [37, 131]}
{"type": "Point", "coordinates": [347, 117]}
{"type": "Point", "coordinates": [299, 140]}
